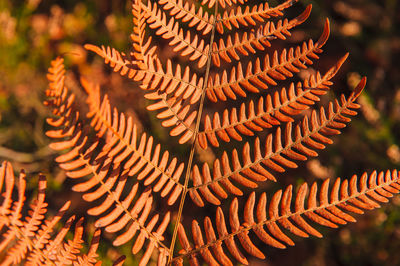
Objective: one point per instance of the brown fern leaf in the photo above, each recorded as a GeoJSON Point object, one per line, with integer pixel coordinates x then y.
{"type": "Point", "coordinates": [123, 170]}
{"type": "Point", "coordinates": [106, 172]}
{"type": "Point", "coordinates": [281, 67]}
{"type": "Point", "coordinates": [230, 47]}
{"type": "Point", "coordinates": [196, 47]}
{"type": "Point", "coordinates": [222, 3]}
{"type": "Point", "coordinates": [245, 17]}
{"type": "Point", "coordinates": [187, 13]}
{"type": "Point", "coordinates": [28, 238]}
{"type": "Point", "coordinates": [175, 81]}
{"type": "Point", "coordinates": [134, 64]}
{"type": "Point", "coordinates": [280, 152]}
{"type": "Point", "coordinates": [327, 208]}
{"type": "Point", "coordinates": [123, 146]}
{"type": "Point", "coordinates": [141, 47]}
{"type": "Point", "coordinates": [181, 85]}
{"type": "Point", "coordinates": [117, 60]}
{"type": "Point", "coordinates": [271, 110]}
{"type": "Point", "coordinates": [177, 115]}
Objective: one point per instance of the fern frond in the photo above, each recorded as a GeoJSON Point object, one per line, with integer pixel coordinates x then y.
{"type": "Point", "coordinates": [141, 48]}
{"type": "Point", "coordinates": [122, 146]}
{"type": "Point", "coordinates": [222, 3]}
{"type": "Point", "coordinates": [279, 67]}
{"type": "Point", "coordinates": [182, 40]}
{"type": "Point", "coordinates": [172, 81]}
{"type": "Point", "coordinates": [134, 64]}
{"type": "Point", "coordinates": [187, 13]}
{"type": "Point", "coordinates": [105, 169]}
{"type": "Point", "coordinates": [231, 47]}
{"type": "Point", "coordinates": [118, 61]}
{"type": "Point", "coordinates": [245, 17]}
{"type": "Point", "coordinates": [175, 114]}
{"type": "Point", "coordinates": [327, 208]}
{"type": "Point", "coordinates": [280, 152]}
{"type": "Point", "coordinates": [28, 238]}
{"type": "Point", "coordinates": [270, 110]}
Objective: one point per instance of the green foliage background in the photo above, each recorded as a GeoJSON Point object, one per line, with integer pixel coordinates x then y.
{"type": "Point", "coordinates": [33, 32]}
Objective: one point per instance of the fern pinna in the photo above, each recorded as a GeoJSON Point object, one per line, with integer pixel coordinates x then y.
{"type": "Point", "coordinates": [229, 58]}
{"type": "Point", "coordinates": [27, 238]}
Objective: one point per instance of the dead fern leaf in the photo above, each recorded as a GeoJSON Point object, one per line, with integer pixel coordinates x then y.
{"type": "Point", "coordinates": [260, 39]}
{"type": "Point", "coordinates": [280, 152]}
{"type": "Point", "coordinates": [128, 171]}
{"type": "Point", "coordinates": [250, 16]}
{"type": "Point", "coordinates": [271, 110]}
{"type": "Point", "coordinates": [30, 239]}
{"type": "Point", "coordinates": [328, 208]}
{"type": "Point", "coordinates": [105, 169]}
{"type": "Point", "coordinates": [254, 78]}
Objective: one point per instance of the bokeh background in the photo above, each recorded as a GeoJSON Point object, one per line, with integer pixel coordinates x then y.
{"type": "Point", "coordinates": [33, 32]}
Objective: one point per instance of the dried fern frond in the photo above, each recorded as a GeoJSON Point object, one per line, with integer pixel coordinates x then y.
{"type": "Point", "coordinates": [181, 40]}
{"type": "Point", "coordinates": [222, 3]}
{"type": "Point", "coordinates": [102, 164]}
{"type": "Point", "coordinates": [250, 16]}
{"type": "Point", "coordinates": [187, 13]}
{"type": "Point", "coordinates": [281, 151]}
{"type": "Point", "coordinates": [260, 39]}
{"type": "Point", "coordinates": [125, 171]}
{"type": "Point", "coordinates": [253, 78]}
{"type": "Point", "coordinates": [122, 145]}
{"type": "Point", "coordinates": [30, 239]}
{"type": "Point", "coordinates": [328, 208]}
{"type": "Point", "coordinates": [269, 111]}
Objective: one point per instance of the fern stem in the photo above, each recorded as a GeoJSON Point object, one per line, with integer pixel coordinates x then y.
{"type": "Point", "coordinates": [196, 133]}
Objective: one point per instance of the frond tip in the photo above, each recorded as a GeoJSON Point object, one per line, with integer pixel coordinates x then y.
{"type": "Point", "coordinates": [328, 207]}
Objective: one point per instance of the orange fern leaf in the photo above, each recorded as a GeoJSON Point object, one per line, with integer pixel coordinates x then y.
{"type": "Point", "coordinates": [271, 110]}
{"type": "Point", "coordinates": [325, 208]}
{"type": "Point", "coordinates": [256, 40]}
{"type": "Point", "coordinates": [279, 67]}
{"type": "Point", "coordinates": [280, 152]}
{"type": "Point", "coordinates": [195, 47]}
{"type": "Point", "coordinates": [105, 170]}
{"type": "Point", "coordinates": [187, 13]}
{"type": "Point", "coordinates": [245, 17]}
{"type": "Point", "coordinates": [125, 172]}
{"type": "Point", "coordinates": [28, 238]}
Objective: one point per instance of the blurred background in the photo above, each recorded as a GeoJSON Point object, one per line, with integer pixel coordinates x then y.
{"type": "Point", "coordinates": [33, 32]}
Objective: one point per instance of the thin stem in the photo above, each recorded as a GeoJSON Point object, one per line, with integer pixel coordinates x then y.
{"type": "Point", "coordinates": [196, 132]}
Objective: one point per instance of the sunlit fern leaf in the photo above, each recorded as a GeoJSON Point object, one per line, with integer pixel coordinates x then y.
{"type": "Point", "coordinates": [187, 13]}
{"type": "Point", "coordinates": [122, 145]}
{"type": "Point", "coordinates": [281, 150]}
{"type": "Point", "coordinates": [30, 239]}
{"type": "Point", "coordinates": [270, 110]}
{"type": "Point", "coordinates": [101, 163]}
{"type": "Point", "coordinates": [328, 208]}
{"type": "Point", "coordinates": [228, 48]}
{"type": "Point", "coordinates": [127, 172]}
{"type": "Point", "coordinates": [250, 15]}
{"type": "Point", "coordinates": [182, 40]}
{"type": "Point", "coordinates": [259, 75]}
